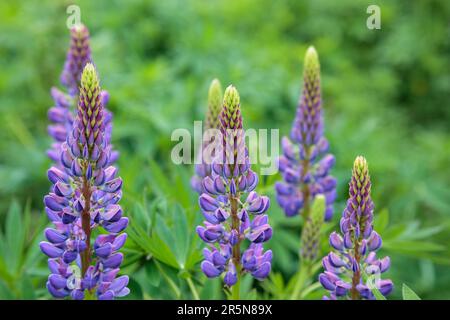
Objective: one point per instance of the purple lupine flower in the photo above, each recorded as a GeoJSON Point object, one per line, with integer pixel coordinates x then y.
{"type": "Point", "coordinates": [232, 209]}
{"type": "Point", "coordinates": [353, 269]}
{"type": "Point", "coordinates": [203, 167]}
{"type": "Point", "coordinates": [305, 164]}
{"type": "Point", "coordinates": [84, 196]}
{"type": "Point", "coordinates": [61, 115]}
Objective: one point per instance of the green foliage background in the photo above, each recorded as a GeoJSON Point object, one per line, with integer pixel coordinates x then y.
{"type": "Point", "coordinates": [386, 96]}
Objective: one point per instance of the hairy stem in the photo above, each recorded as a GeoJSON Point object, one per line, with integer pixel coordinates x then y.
{"type": "Point", "coordinates": [354, 293]}
{"type": "Point", "coordinates": [236, 248]}
{"type": "Point", "coordinates": [86, 225]}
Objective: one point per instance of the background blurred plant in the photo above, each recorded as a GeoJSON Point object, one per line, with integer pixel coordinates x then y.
{"type": "Point", "coordinates": [388, 85]}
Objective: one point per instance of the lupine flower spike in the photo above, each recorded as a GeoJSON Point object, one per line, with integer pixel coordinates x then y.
{"type": "Point", "coordinates": [305, 164]}
{"type": "Point", "coordinates": [203, 166]}
{"type": "Point", "coordinates": [84, 197]}
{"type": "Point", "coordinates": [309, 244]}
{"type": "Point", "coordinates": [232, 209]}
{"type": "Point", "coordinates": [61, 115]}
{"type": "Point", "coordinates": [352, 271]}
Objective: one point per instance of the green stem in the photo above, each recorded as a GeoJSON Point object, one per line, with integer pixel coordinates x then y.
{"type": "Point", "coordinates": [172, 284]}
{"type": "Point", "coordinates": [193, 289]}
{"type": "Point", "coordinates": [235, 290]}
{"type": "Point", "coordinates": [303, 275]}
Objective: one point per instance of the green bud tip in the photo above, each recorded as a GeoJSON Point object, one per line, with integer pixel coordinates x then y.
{"type": "Point", "coordinates": [311, 62]}
{"type": "Point", "coordinates": [89, 78]}
{"type": "Point", "coordinates": [360, 166]}
{"type": "Point", "coordinates": [231, 98]}
{"type": "Point", "coordinates": [214, 104]}
{"type": "Point", "coordinates": [215, 93]}
{"type": "Point", "coordinates": [318, 209]}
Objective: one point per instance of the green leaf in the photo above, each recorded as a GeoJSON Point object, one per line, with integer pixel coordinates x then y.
{"type": "Point", "coordinates": [152, 273]}
{"type": "Point", "coordinates": [15, 236]}
{"type": "Point", "coordinates": [409, 294]}
{"type": "Point", "coordinates": [135, 290]}
{"type": "Point", "coordinates": [381, 221]}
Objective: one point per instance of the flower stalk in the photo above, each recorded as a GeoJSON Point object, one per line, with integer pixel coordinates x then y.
{"type": "Point", "coordinates": [84, 198]}
{"type": "Point", "coordinates": [352, 270]}
{"type": "Point", "coordinates": [305, 163]}
{"type": "Point", "coordinates": [228, 204]}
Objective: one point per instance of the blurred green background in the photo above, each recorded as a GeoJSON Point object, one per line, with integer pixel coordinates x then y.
{"type": "Point", "coordinates": [386, 96]}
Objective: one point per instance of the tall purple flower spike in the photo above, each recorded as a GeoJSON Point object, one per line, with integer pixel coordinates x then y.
{"type": "Point", "coordinates": [352, 271]}
{"type": "Point", "coordinates": [61, 115]}
{"type": "Point", "coordinates": [232, 209]}
{"type": "Point", "coordinates": [305, 164]}
{"type": "Point", "coordinates": [84, 197]}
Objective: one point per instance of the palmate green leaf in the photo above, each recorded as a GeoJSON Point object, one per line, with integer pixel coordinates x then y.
{"type": "Point", "coordinates": [152, 273]}
{"type": "Point", "coordinates": [173, 184]}
{"type": "Point", "coordinates": [408, 293]}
